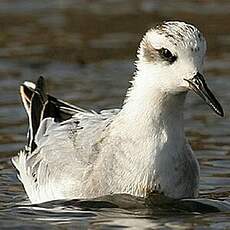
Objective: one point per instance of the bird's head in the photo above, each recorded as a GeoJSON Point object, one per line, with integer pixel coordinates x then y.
{"type": "Point", "coordinates": [171, 57]}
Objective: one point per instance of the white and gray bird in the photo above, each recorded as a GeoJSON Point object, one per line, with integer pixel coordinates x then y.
{"type": "Point", "coordinates": [138, 149]}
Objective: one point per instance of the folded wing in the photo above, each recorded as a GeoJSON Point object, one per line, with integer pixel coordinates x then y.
{"type": "Point", "coordinates": [59, 154]}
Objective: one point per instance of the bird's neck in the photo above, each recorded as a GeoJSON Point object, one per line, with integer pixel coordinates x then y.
{"type": "Point", "coordinates": [148, 109]}
{"type": "Point", "coordinates": [152, 121]}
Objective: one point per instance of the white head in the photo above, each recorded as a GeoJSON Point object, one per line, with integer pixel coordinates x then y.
{"type": "Point", "coordinates": [170, 59]}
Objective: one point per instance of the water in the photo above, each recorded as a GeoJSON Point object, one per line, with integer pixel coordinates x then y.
{"type": "Point", "coordinates": [85, 49]}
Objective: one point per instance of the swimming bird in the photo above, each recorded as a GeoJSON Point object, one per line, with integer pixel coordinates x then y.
{"type": "Point", "coordinates": [138, 149]}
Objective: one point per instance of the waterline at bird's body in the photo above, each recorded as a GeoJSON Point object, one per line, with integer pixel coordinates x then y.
{"type": "Point", "coordinates": [139, 149]}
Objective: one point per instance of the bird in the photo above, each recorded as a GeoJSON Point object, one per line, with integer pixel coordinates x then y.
{"type": "Point", "coordinates": [138, 149]}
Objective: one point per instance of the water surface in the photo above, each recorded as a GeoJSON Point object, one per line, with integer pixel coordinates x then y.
{"type": "Point", "coordinates": [86, 49]}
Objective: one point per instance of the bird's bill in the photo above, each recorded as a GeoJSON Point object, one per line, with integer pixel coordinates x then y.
{"type": "Point", "coordinates": [199, 86]}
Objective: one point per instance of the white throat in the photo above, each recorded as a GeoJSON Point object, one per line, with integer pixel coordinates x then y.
{"type": "Point", "coordinates": [150, 108]}
{"type": "Point", "coordinates": [153, 120]}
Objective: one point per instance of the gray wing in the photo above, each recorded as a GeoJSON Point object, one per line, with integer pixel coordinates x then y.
{"type": "Point", "coordinates": [61, 147]}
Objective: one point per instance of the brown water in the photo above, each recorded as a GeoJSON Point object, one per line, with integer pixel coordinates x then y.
{"type": "Point", "coordinates": [85, 49]}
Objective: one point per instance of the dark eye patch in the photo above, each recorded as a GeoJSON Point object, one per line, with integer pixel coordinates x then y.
{"type": "Point", "coordinates": [150, 54]}
{"type": "Point", "coordinates": [166, 55]}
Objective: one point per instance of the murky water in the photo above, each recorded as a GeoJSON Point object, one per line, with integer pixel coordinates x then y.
{"type": "Point", "coordinates": [85, 49]}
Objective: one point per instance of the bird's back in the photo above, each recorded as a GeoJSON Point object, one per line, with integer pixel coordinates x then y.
{"type": "Point", "coordinates": [61, 152]}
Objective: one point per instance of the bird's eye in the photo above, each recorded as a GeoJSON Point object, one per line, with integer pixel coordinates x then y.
{"type": "Point", "coordinates": [167, 55]}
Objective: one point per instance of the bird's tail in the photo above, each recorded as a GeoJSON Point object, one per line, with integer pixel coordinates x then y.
{"type": "Point", "coordinates": [35, 101]}
{"type": "Point", "coordinates": [40, 105]}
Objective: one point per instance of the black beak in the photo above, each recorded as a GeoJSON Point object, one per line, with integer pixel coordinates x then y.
{"type": "Point", "coordinates": [199, 86]}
